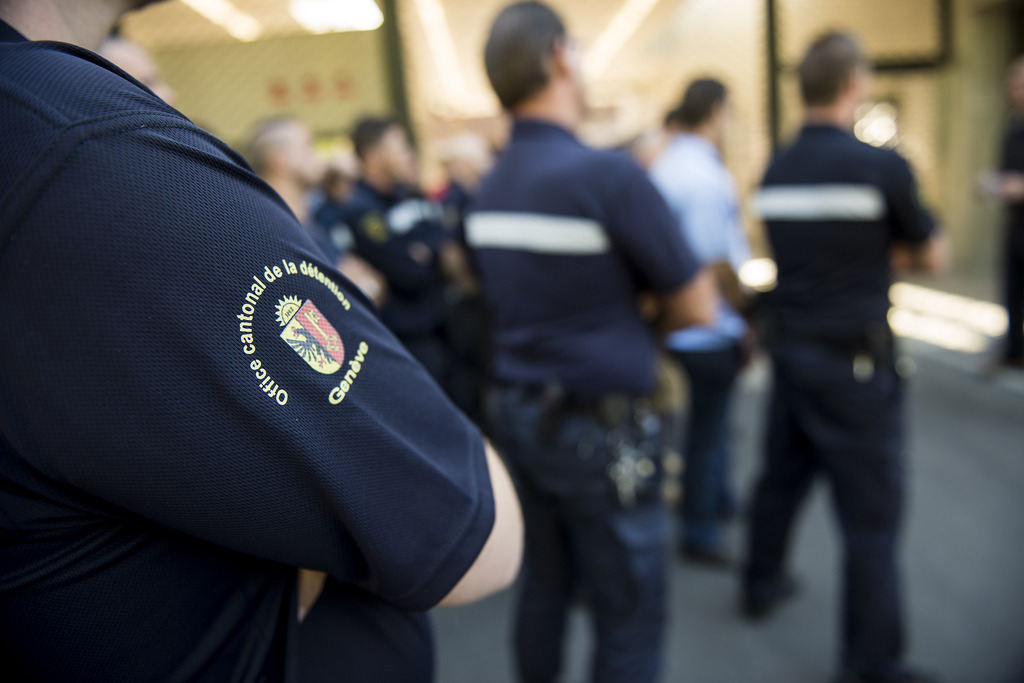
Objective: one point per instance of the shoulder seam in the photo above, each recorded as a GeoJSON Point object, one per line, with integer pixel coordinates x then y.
{"type": "Point", "coordinates": [66, 136]}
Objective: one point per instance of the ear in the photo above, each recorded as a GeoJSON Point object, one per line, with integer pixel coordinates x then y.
{"type": "Point", "coordinates": [717, 110]}
{"type": "Point", "coordinates": [858, 83]}
{"type": "Point", "coordinates": [277, 160]}
{"type": "Point", "coordinates": [561, 62]}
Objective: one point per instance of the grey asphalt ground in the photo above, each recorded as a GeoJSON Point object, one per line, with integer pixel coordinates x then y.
{"type": "Point", "coordinates": [962, 552]}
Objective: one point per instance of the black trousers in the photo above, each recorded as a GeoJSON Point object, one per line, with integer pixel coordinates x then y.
{"type": "Point", "coordinates": [579, 536]}
{"type": "Point", "coordinates": [825, 420]}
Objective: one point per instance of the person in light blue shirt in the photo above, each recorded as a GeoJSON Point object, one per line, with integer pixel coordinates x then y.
{"type": "Point", "coordinates": [702, 196]}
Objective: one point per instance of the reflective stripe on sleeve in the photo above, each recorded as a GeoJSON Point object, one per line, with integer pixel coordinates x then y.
{"type": "Point", "coordinates": [819, 202]}
{"type": "Point", "coordinates": [539, 233]}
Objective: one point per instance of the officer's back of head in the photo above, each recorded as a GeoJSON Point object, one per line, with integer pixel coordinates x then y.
{"type": "Point", "coordinates": [832, 65]}
{"type": "Point", "coordinates": [385, 155]}
{"type": "Point", "coordinates": [281, 147]}
{"type": "Point", "coordinates": [703, 110]}
{"type": "Point", "coordinates": [527, 47]}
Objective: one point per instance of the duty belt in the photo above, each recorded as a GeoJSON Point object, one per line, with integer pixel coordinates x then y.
{"type": "Point", "coordinates": [872, 348]}
{"type": "Point", "coordinates": [631, 422]}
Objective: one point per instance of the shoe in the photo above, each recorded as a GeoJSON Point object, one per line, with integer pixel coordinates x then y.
{"type": "Point", "coordinates": [900, 676]}
{"type": "Point", "coordinates": [757, 608]}
{"type": "Point", "coordinates": [709, 557]}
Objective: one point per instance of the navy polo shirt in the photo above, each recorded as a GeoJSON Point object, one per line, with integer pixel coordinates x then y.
{"type": "Point", "coordinates": [384, 227]}
{"type": "Point", "coordinates": [193, 403]}
{"type": "Point", "coordinates": [833, 207]}
{"type": "Point", "coordinates": [565, 239]}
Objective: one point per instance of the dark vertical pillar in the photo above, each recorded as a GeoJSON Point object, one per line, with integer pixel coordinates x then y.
{"type": "Point", "coordinates": [1017, 26]}
{"type": "Point", "coordinates": [772, 48]}
{"type": "Point", "coordinates": [395, 65]}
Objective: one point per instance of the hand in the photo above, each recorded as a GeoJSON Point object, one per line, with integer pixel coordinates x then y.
{"type": "Point", "coordinates": [456, 268]}
{"type": "Point", "coordinates": [1012, 187]}
{"type": "Point", "coordinates": [311, 585]}
{"type": "Point", "coordinates": [988, 185]}
{"type": "Point", "coordinates": [420, 253]}
{"type": "Point", "coordinates": [1007, 186]}
{"type": "Point", "coordinates": [365, 277]}
{"type": "Point", "coordinates": [749, 346]}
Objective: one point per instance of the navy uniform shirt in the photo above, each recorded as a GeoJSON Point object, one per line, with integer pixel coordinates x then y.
{"type": "Point", "coordinates": [565, 238]}
{"type": "Point", "coordinates": [329, 230]}
{"type": "Point", "coordinates": [384, 227]}
{"type": "Point", "coordinates": [833, 206]}
{"type": "Point", "coordinates": [193, 404]}
{"type": "Point", "coordinates": [1012, 160]}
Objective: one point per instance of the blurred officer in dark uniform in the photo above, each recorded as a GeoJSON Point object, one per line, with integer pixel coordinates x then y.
{"type": "Point", "coordinates": [466, 158]}
{"type": "Point", "coordinates": [337, 186]}
{"type": "Point", "coordinates": [280, 151]}
{"type": "Point", "coordinates": [838, 213]}
{"type": "Point", "coordinates": [399, 233]}
{"type": "Point", "coordinates": [566, 238]}
{"type": "Point", "coordinates": [1009, 187]}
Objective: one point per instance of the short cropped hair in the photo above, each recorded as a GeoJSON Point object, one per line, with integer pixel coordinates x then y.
{"type": "Point", "coordinates": [368, 133]}
{"type": "Point", "coordinates": [698, 104]}
{"type": "Point", "coordinates": [522, 38]}
{"type": "Point", "coordinates": [827, 67]}
{"type": "Point", "coordinates": [266, 137]}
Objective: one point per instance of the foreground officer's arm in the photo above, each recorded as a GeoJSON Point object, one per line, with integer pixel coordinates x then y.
{"type": "Point", "coordinates": [497, 564]}
{"type": "Point", "coordinates": [194, 404]}
{"type": "Point", "coordinates": [494, 569]}
{"type": "Point", "coordinates": [223, 381]}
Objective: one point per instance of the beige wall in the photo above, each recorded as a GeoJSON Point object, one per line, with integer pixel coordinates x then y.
{"type": "Point", "coordinates": [950, 117]}
{"type": "Point", "coordinates": [327, 81]}
{"type": "Point", "coordinates": [974, 114]}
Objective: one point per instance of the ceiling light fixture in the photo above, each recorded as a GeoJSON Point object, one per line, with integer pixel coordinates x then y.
{"type": "Point", "coordinates": [446, 61]}
{"type": "Point", "coordinates": [334, 16]}
{"type": "Point", "coordinates": [223, 13]}
{"type": "Point", "coordinates": [619, 29]}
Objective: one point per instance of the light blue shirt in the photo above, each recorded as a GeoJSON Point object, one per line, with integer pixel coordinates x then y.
{"type": "Point", "coordinates": [702, 196]}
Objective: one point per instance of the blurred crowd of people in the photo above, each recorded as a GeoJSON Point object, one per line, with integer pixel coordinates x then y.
{"type": "Point", "coordinates": [402, 247]}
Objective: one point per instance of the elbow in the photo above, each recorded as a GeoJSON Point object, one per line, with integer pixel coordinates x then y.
{"type": "Point", "coordinates": [497, 565]}
{"type": "Point", "coordinates": [693, 304]}
{"type": "Point", "coordinates": [705, 313]}
{"type": "Point", "coordinates": [934, 256]}
{"type": "Point", "coordinates": [491, 576]}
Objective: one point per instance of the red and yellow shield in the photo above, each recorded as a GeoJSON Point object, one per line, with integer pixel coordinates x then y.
{"type": "Point", "coordinates": [309, 334]}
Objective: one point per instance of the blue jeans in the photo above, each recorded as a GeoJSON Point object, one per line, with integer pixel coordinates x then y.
{"type": "Point", "coordinates": [579, 536]}
{"type": "Point", "coordinates": [823, 420]}
{"type": "Point", "coordinates": [706, 493]}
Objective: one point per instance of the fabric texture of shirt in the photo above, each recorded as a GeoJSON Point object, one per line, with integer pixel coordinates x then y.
{"type": "Point", "coordinates": [565, 238]}
{"type": "Point", "coordinates": [193, 404]}
{"type": "Point", "coordinates": [833, 207]}
{"type": "Point", "coordinates": [702, 196]}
